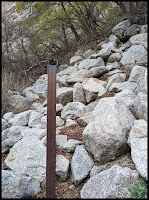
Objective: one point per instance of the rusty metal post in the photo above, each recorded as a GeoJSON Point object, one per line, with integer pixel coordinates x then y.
{"type": "Point", "coordinates": [51, 134]}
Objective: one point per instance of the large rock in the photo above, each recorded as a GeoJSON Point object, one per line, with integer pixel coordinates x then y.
{"type": "Point", "coordinates": [105, 135]}
{"type": "Point", "coordinates": [78, 93]}
{"type": "Point", "coordinates": [7, 116]}
{"type": "Point", "coordinates": [34, 119]}
{"type": "Point", "coordinates": [64, 95]}
{"type": "Point", "coordinates": [142, 83]}
{"type": "Point", "coordinates": [19, 103]}
{"type": "Point", "coordinates": [74, 59]}
{"type": "Point", "coordinates": [20, 119]}
{"type": "Point", "coordinates": [62, 167]}
{"type": "Point", "coordinates": [113, 38]}
{"type": "Point", "coordinates": [81, 164]}
{"type": "Point", "coordinates": [62, 67]}
{"type": "Point", "coordinates": [133, 30]}
{"type": "Point", "coordinates": [138, 143]}
{"type": "Point", "coordinates": [124, 30]}
{"type": "Point", "coordinates": [114, 57]}
{"type": "Point", "coordinates": [40, 86]}
{"type": "Point", "coordinates": [113, 183]}
{"type": "Point", "coordinates": [15, 186]}
{"type": "Point", "coordinates": [67, 71]}
{"type": "Point", "coordinates": [139, 39]}
{"type": "Point", "coordinates": [107, 75]}
{"type": "Point", "coordinates": [96, 72]}
{"type": "Point", "coordinates": [115, 78]}
{"type": "Point", "coordinates": [92, 89]}
{"type": "Point", "coordinates": [9, 142]}
{"type": "Point", "coordinates": [73, 110]}
{"type": "Point", "coordinates": [126, 96]}
{"type": "Point", "coordinates": [109, 46]}
{"type": "Point", "coordinates": [89, 63]}
{"type": "Point", "coordinates": [139, 106]}
{"type": "Point", "coordinates": [76, 76]}
{"type": "Point", "coordinates": [30, 95]}
{"type": "Point", "coordinates": [104, 52]}
{"type": "Point", "coordinates": [28, 156]}
{"type": "Point", "coordinates": [118, 87]}
{"type": "Point", "coordinates": [37, 132]}
{"type": "Point", "coordinates": [133, 56]}
{"type": "Point", "coordinates": [136, 73]}
{"type": "Point", "coordinates": [63, 81]}
{"type": "Point", "coordinates": [70, 145]}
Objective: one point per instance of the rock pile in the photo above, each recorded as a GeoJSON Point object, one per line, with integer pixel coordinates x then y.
{"type": "Point", "coordinates": [114, 124]}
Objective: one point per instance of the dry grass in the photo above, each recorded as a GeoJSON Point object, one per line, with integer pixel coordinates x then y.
{"type": "Point", "coordinates": [11, 81]}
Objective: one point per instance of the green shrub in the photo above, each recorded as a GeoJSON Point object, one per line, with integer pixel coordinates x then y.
{"type": "Point", "coordinates": [139, 191]}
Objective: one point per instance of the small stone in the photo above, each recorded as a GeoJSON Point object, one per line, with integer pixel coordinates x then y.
{"type": "Point", "coordinates": [81, 164]}
{"type": "Point", "coordinates": [8, 116]}
{"type": "Point", "coordinates": [78, 93]}
{"type": "Point", "coordinates": [70, 123]}
{"type": "Point", "coordinates": [88, 53]}
{"type": "Point", "coordinates": [59, 121]}
{"type": "Point", "coordinates": [95, 170]}
{"type": "Point", "coordinates": [44, 122]}
{"type": "Point", "coordinates": [61, 140]}
{"type": "Point", "coordinates": [70, 145]}
{"type": "Point", "coordinates": [62, 166]}
{"type": "Point", "coordinates": [73, 110]}
{"type": "Point", "coordinates": [84, 120]}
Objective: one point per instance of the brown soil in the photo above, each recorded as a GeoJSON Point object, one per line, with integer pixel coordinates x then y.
{"type": "Point", "coordinates": [73, 133]}
{"type": "Point", "coordinates": [39, 100]}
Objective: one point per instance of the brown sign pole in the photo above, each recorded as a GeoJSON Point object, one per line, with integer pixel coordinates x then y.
{"type": "Point", "coordinates": [51, 134]}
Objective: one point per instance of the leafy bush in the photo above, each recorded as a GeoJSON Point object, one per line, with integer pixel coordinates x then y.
{"type": "Point", "coordinates": [139, 191]}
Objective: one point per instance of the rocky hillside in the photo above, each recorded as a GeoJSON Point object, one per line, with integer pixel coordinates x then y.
{"type": "Point", "coordinates": [101, 120]}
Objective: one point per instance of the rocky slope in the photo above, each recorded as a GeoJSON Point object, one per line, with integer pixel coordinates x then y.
{"type": "Point", "coordinates": [103, 94]}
